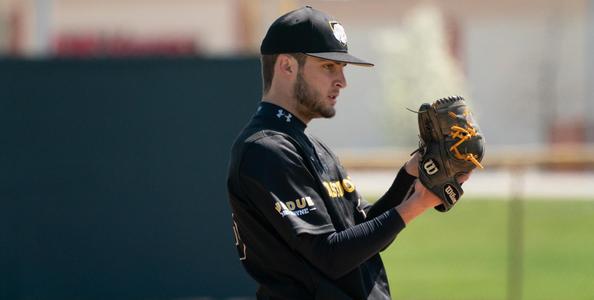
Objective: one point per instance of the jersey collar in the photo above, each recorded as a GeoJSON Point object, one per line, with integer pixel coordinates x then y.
{"type": "Point", "coordinates": [280, 116]}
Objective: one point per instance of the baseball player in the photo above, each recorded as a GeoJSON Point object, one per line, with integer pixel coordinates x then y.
{"type": "Point", "coordinates": [301, 228]}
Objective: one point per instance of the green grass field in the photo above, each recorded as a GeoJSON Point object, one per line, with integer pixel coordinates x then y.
{"type": "Point", "coordinates": [463, 254]}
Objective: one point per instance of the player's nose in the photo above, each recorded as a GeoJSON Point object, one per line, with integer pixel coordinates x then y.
{"type": "Point", "coordinates": [341, 80]}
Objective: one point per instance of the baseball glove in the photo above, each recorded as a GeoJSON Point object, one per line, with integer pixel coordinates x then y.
{"type": "Point", "coordinates": [451, 145]}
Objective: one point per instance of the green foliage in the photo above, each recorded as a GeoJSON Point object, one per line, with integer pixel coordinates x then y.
{"type": "Point", "coordinates": [463, 254]}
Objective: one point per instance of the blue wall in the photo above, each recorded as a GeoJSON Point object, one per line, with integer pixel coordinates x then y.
{"type": "Point", "coordinates": [112, 177]}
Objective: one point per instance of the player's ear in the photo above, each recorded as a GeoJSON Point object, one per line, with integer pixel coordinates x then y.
{"type": "Point", "coordinates": [286, 64]}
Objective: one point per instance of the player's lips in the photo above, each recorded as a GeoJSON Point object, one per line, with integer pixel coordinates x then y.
{"type": "Point", "coordinates": [333, 98]}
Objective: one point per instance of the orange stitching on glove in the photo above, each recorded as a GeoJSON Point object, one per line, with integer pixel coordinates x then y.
{"type": "Point", "coordinates": [464, 134]}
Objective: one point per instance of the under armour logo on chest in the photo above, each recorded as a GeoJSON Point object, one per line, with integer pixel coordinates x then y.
{"type": "Point", "coordinates": [281, 113]}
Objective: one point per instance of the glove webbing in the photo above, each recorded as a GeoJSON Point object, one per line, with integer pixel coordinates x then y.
{"type": "Point", "coordinates": [463, 134]}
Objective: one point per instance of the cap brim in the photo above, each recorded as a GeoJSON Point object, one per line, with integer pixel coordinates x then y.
{"type": "Point", "coordinates": [341, 57]}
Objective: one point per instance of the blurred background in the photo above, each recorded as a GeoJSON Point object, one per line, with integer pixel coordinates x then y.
{"type": "Point", "coordinates": [116, 118]}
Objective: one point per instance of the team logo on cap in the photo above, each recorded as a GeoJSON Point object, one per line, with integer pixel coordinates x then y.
{"type": "Point", "coordinates": [339, 32]}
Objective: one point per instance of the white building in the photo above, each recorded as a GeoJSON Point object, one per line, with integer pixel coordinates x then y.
{"type": "Point", "coordinates": [524, 64]}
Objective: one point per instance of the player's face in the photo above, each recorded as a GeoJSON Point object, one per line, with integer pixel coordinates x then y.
{"type": "Point", "coordinates": [318, 85]}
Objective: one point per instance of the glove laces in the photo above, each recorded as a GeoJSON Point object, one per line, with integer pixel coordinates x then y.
{"type": "Point", "coordinates": [463, 134]}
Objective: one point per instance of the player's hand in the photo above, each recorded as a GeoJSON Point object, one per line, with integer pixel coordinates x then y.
{"type": "Point", "coordinates": [421, 200]}
{"type": "Point", "coordinates": [412, 165]}
{"type": "Point", "coordinates": [429, 199]}
{"type": "Point", "coordinates": [424, 196]}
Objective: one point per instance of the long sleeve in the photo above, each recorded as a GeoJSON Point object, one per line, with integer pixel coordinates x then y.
{"type": "Point", "coordinates": [337, 253]}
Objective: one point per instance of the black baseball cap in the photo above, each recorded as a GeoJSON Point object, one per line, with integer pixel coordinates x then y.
{"type": "Point", "coordinates": [312, 32]}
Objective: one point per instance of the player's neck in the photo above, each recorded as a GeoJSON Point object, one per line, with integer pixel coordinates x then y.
{"type": "Point", "coordinates": [286, 101]}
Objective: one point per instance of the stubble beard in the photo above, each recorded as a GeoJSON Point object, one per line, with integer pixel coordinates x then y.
{"type": "Point", "coordinates": [311, 101]}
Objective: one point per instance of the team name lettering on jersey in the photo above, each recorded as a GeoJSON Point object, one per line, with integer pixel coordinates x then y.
{"type": "Point", "coordinates": [297, 207]}
{"type": "Point", "coordinates": [337, 189]}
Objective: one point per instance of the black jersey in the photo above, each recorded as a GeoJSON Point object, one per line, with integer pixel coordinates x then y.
{"type": "Point", "coordinates": [283, 184]}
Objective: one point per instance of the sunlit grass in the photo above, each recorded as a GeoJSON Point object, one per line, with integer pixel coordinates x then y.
{"type": "Point", "coordinates": [463, 254]}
